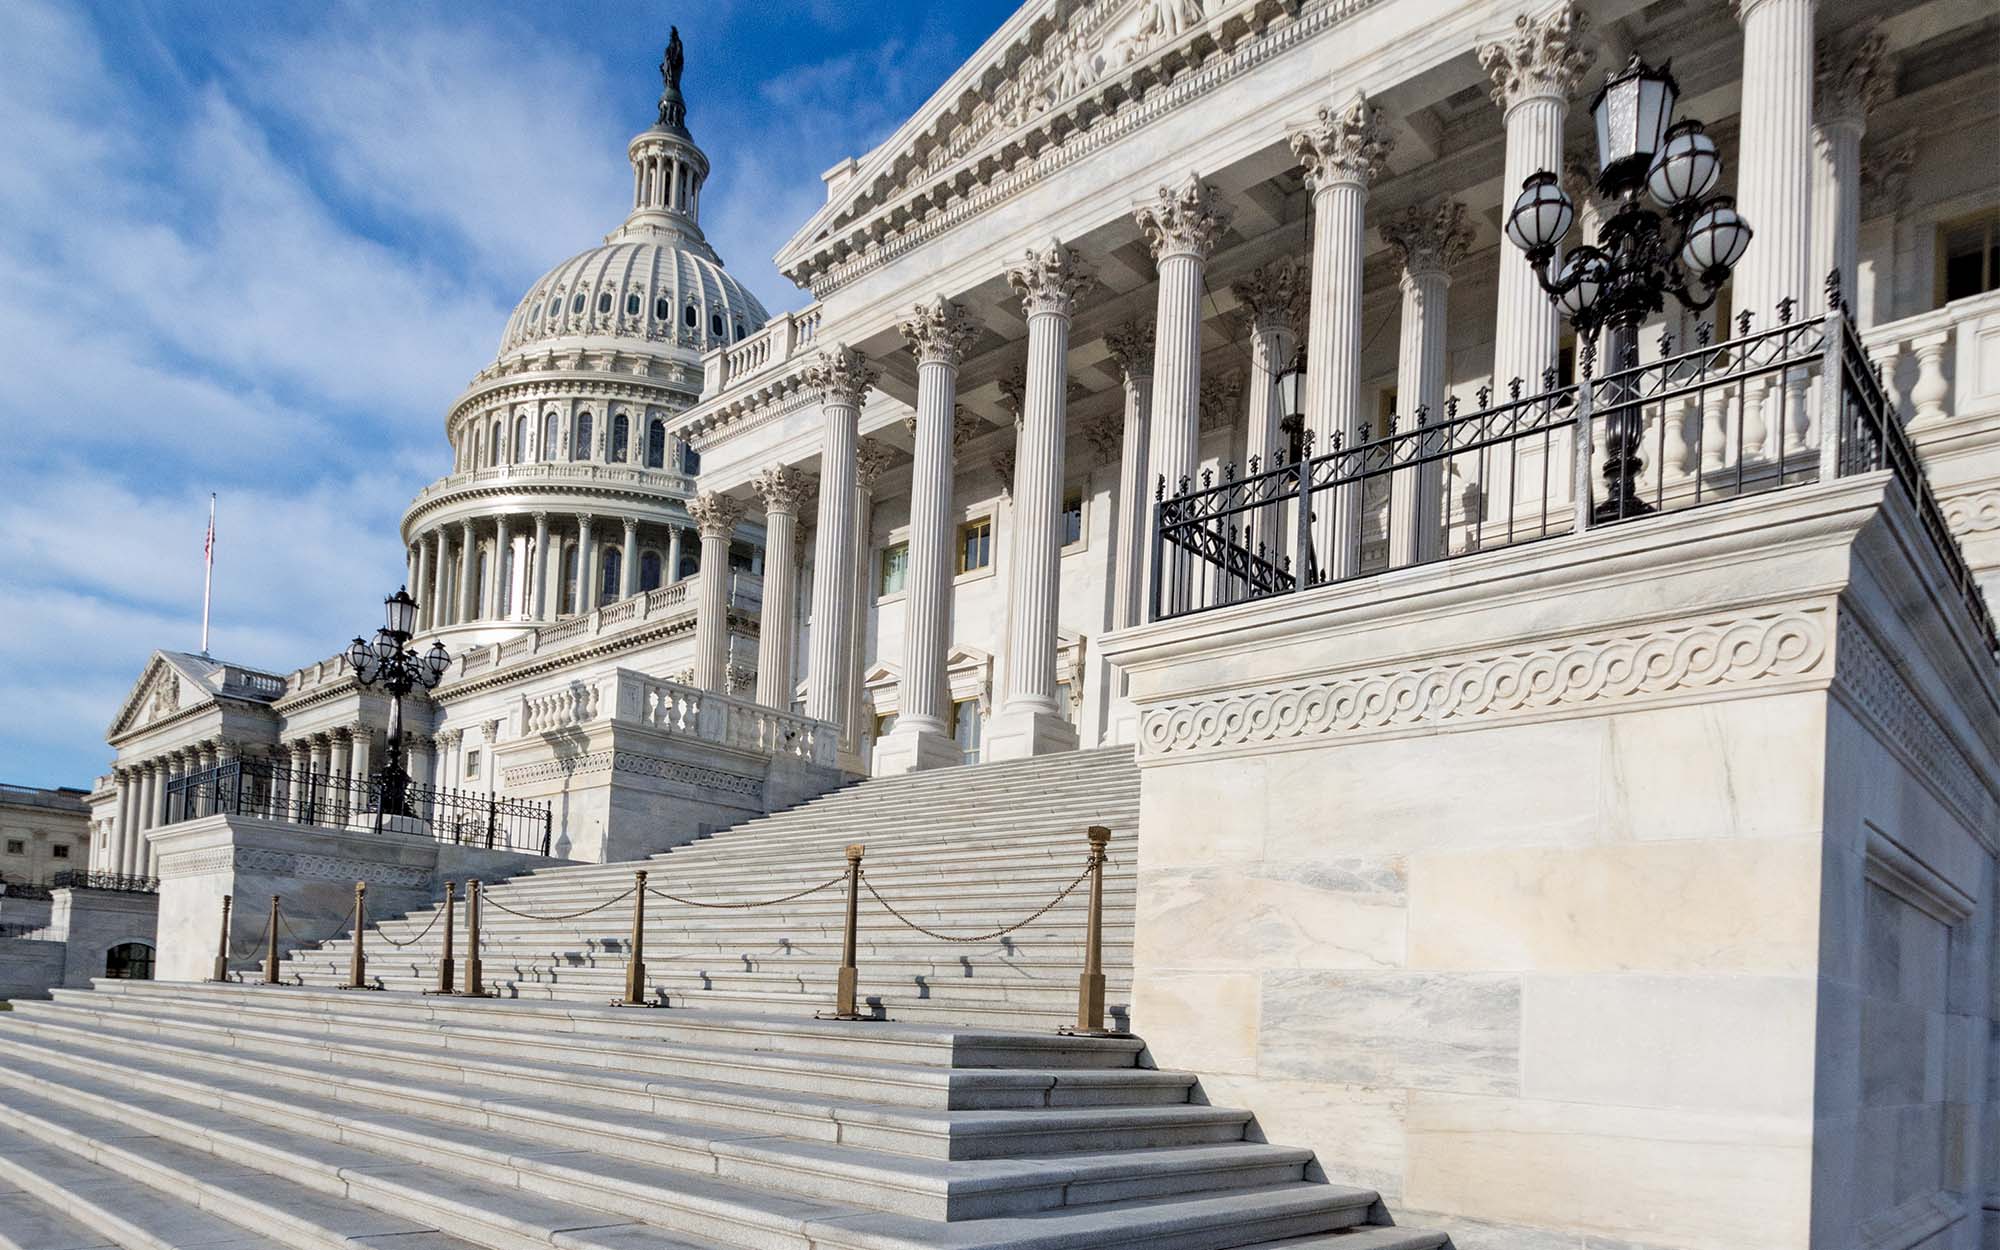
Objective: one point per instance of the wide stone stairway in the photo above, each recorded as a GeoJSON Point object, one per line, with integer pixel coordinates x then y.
{"type": "Point", "coordinates": [156, 1116]}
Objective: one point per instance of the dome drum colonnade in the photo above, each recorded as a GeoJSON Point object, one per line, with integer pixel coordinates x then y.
{"type": "Point", "coordinates": [1535, 73]}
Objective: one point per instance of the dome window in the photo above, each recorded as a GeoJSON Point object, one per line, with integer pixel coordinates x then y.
{"type": "Point", "coordinates": [632, 304]}
{"type": "Point", "coordinates": [603, 301]}
{"type": "Point", "coordinates": [739, 332]}
{"type": "Point", "coordinates": [555, 306]}
{"type": "Point", "coordinates": [576, 305]}
{"type": "Point", "coordinates": [715, 324]}
{"type": "Point", "coordinates": [663, 310]}
{"type": "Point", "coordinates": [691, 317]}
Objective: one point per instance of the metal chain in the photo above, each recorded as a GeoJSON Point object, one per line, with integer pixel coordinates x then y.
{"type": "Point", "coordinates": [257, 947]}
{"type": "Point", "coordinates": [983, 937]}
{"type": "Point", "coordinates": [768, 902]}
{"type": "Point", "coordinates": [338, 929]}
{"type": "Point", "coordinates": [569, 916]}
{"type": "Point", "coordinates": [413, 941]}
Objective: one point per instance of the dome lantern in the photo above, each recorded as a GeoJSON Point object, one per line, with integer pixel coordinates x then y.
{"type": "Point", "coordinates": [667, 167]}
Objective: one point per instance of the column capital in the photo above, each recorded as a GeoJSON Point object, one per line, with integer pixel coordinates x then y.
{"type": "Point", "coordinates": [840, 374]}
{"type": "Point", "coordinates": [1105, 435]}
{"type": "Point", "coordinates": [1346, 146]}
{"type": "Point", "coordinates": [1885, 174]}
{"type": "Point", "coordinates": [1429, 238]}
{"type": "Point", "coordinates": [1004, 463]}
{"type": "Point", "coordinates": [541, 517]}
{"type": "Point", "coordinates": [1050, 279]}
{"type": "Point", "coordinates": [1853, 74]}
{"type": "Point", "coordinates": [939, 331]}
{"type": "Point", "coordinates": [631, 524]}
{"type": "Point", "coordinates": [1184, 220]}
{"type": "Point", "coordinates": [1544, 58]}
{"type": "Point", "coordinates": [872, 458]}
{"type": "Point", "coordinates": [1131, 347]}
{"type": "Point", "coordinates": [584, 521]}
{"type": "Point", "coordinates": [785, 489]}
{"type": "Point", "coordinates": [1274, 295]}
{"type": "Point", "coordinates": [716, 514]}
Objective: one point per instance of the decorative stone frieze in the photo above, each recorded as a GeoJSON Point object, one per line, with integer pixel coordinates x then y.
{"type": "Point", "coordinates": [939, 331]}
{"type": "Point", "coordinates": [1873, 683]}
{"type": "Point", "coordinates": [715, 514]}
{"type": "Point", "coordinates": [1976, 513]}
{"type": "Point", "coordinates": [841, 375]}
{"type": "Point", "coordinates": [1104, 435]}
{"type": "Point", "coordinates": [1731, 650]}
{"type": "Point", "coordinates": [1885, 175]}
{"type": "Point", "coordinates": [1050, 279]}
{"type": "Point", "coordinates": [783, 488]}
{"type": "Point", "coordinates": [1221, 400]}
{"type": "Point", "coordinates": [1346, 145]}
{"type": "Point", "coordinates": [1546, 56]}
{"type": "Point", "coordinates": [1429, 238]}
{"type": "Point", "coordinates": [1184, 220]}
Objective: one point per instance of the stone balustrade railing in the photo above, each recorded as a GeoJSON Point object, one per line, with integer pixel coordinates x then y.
{"type": "Point", "coordinates": [556, 473]}
{"type": "Point", "coordinates": [1943, 363]}
{"type": "Point", "coordinates": [632, 698]}
{"type": "Point", "coordinates": [781, 338]}
{"type": "Point", "coordinates": [677, 599]}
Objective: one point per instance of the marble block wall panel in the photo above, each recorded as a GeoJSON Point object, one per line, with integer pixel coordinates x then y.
{"type": "Point", "coordinates": [1354, 1131]}
{"type": "Point", "coordinates": [29, 969]}
{"type": "Point", "coordinates": [1336, 914]}
{"type": "Point", "coordinates": [1441, 1031]}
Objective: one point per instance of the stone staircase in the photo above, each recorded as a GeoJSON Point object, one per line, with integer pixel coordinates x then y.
{"type": "Point", "coordinates": [963, 851]}
{"type": "Point", "coordinates": [238, 1116]}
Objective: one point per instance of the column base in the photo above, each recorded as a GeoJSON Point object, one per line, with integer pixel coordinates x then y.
{"type": "Point", "coordinates": [1018, 733]}
{"type": "Point", "coordinates": [910, 748]}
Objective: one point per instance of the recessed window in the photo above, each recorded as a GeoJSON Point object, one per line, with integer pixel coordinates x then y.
{"type": "Point", "coordinates": [611, 570]}
{"type": "Point", "coordinates": [60, 850]}
{"type": "Point", "coordinates": [892, 569]}
{"type": "Point", "coordinates": [555, 306]}
{"type": "Point", "coordinates": [715, 324]}
{"type": "Point", "coordinates": [689, 316]}
{"type": "Point", "coordinates": [965, 728]}
{"type": "Point", "coordinates": [1063, 698]}
{"type": "Point", "coordinates": [656, 444]}
{"type": "Point", "coordinates": [576, 305]}
{"type": "Point", "coordinates": [649, 571]}
{"type": "Point", "coordinates": [16, 846]}
{"type": "Point", "coordinates": [1969, 256]}
{"type": "Point", "coordinates": [975, 545]}
{"type": "Point", "coordinates": [632, 304]}
{"type": "Point", "coordinates": [663, 310]}
{"type": "Point", "coordinates": [620, 429]}
{"type": "Point", "coordinates": [885, 724]}
{"type": "Point", "coordinates": [549, 443]}
{"type": "Point", "coordinates": [132, 961]}
{"type": "Point", "coordinates": [604, 301]}
{"type": "Point", "coordinates": [581, 451]}
{"type": "Point", "coordinates": [1071, 522]}
{"type": "Point", "coordinates": [739, 332]}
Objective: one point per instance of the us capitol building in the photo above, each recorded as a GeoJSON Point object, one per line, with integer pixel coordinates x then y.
{"type": "Point", "coordinates": [1615, 720]}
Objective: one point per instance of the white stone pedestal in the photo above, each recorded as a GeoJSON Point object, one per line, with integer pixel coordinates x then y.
{"type": "Point", "coordinates": [909, 749]}
{"type": "Point", "coordinates": [1022, 732]}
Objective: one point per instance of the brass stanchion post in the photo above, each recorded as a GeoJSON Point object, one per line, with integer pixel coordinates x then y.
{"type": "Point", "coordinates": [444, 960]}
{"type": "Point", "coordinates": [271, 955]}
{"type": "Point", "coordinates": [635, 960]}
{"type": "Point", "coordinates": [474, 982]}
{"type": "Point", "coordinates": [222, 945]}
{"type": "Point", "coordinates": [844, 1006]}
{"type": "Point", "coordinates": [1090, 985]}
{"type": "Point", "coordinates": [357, 966]}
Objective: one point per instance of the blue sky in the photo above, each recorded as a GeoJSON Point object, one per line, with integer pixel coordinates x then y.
{"type": "Point", "coordinates": [257, 249]}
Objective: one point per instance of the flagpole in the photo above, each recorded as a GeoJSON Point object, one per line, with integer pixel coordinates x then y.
{"type": "Point", "coordinates": [207, 572]}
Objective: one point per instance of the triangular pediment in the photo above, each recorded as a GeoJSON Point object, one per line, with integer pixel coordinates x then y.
{"type": "Point", "coordinates": [172, 682]}
{"type": "Point", "coordinates": [1048, 56]}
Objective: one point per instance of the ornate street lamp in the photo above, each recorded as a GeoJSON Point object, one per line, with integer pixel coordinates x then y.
{"type": "Point", "coordinates": [1625, 276]}
{"type": "Point", "coordinates": [387, 663]}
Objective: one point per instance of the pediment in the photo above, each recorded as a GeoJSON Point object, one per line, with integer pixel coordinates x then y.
{"type": "Point", "coordinates": [162, 691]}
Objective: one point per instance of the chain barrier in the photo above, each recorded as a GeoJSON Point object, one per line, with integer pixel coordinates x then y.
{"type": "Point", "coordinates": [490, 900]}
{"type": "Point", "coordinates": [257, 947]}
{"type": "Point", "coordinates": [286, 924]}
{"type": "Point", "coordinates": [768, 902]}
{"type": "Point", "coordinates": [380, 933]}
{"type": "Point", "coordinates": [982, 937]}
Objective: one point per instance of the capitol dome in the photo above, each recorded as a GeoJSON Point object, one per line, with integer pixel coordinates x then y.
{"type": "Point", "coordinates": [666, 289]}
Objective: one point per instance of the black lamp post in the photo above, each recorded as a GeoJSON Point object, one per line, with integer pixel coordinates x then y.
{"type": "Point", "coordinates": [386, 662]}
{"type": "Point", "coordinates": [1623, 278]}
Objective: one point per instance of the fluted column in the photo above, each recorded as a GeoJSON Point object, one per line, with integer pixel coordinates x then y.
{"type": "Point", "coordinates": [1855, 74]}
{"type": "Point", "coordinates": [1774, 168]}
{"type": "Point", "coordinates": [1273, 299]}
{"type": "Point", "coordinates": [538, 571]}
{"type": "Point", "coordinates": [1182, 225]}
{"type": "Point", "coordinates": [1342, 153]}
{"type": "Point", "coordinates": [628, 560]}
{"type": "Point", "coordinates": [1132, 350]}
{"type": "Point", "coordinates": [127, 830]}
{"type": "Point", "coordinates": [673, 554]}
{"type": "Point", "coordinates": [939, 334]}
{"type": "Point", "coordinates": [440, 605]}
{"type": "Point", "coordinates": [500, 603]}
{"type": "Point", "coordinates": [1049, 281]}
{"type": "Point", "coordinates": [842, 379]}
{"type": "Point", "coordinates": [363, 760]}
{"type": "Point", "coordinates": [717, 516]}
{"type": "Point", "coordinates": [105, 859]}
{"type": "Point", "coordinates": [149, 819]}
{"type": "Point", "coordinates": [339, 769]}
{"type": "Point", "coordinates": [785, 491]}
{"type": "Point", "coordinates": [1428, 241]}
{"type": "Point", "coordinates": [586, 555]}
{"type": "Point", "coordinates": [413, 578]}
{"type": "Point", "coordinates": [468, 574]}
{"type": "Point", "coordinates": [871, 460]}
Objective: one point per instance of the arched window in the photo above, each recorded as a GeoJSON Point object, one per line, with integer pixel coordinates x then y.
{"type": "Point", "coordinates": [480, 585]}
{"type": "Point", "coordinates": [550, 428]}
{"type": "Point", "coordinates": [581, 449]}
{"type": "Point", "coordinates": [715, 324]}
{"type": "Point", "coordinates": [521, 439]}
{"type": "Point", "coordinates": [503, 604]}
{"type": "Point", "coordinates": [656, 444]}
{"type": "Point", "coordinates": [129, 961]}
{"type": "Point", "coordinates": [739, 332]}
{"type": "Point", "coordinates": [621, 428]}
{"type": "Point", "coordinates": [663, 309]}
{"type": "Point", "coordinates": [493, 441]}
{"type": "Point", "coordinates": [689, 315]}
{"type": "Point", "coordinates": [690, 565]}
{"type": "Point", "coordinates": [649, 571]}
{"type": "Point", "coordinates": [555, 305]}
{"type": "Point", "coordinates": [632, 304]}
{"type": "Point", "coordinates": [613, 566]}
{"type": "Point", "coordinates": [604, 301]}
{"type": "Point", "coordinates": [576, 304]}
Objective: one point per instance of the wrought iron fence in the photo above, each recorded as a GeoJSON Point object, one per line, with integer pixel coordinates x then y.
{"type": "Point", "coordinates": [14, 888]}
{"type": "Point", "coordinates": [277, 792]}
{"type": "Point", "coordinates": [1767, 409]}
{"type": "Point", "coordinates": [20, 930]}
{"type": "Point", "coordinates": [73, 878]}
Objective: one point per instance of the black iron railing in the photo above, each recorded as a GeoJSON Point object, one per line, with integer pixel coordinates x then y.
{"type": "Point", "coordinates": [12, 887]}
{"type": "Point", "coordinates": [20, 930]}
{"type": "Point", "coordinates": [1764, 410]}
{"type": "Point", "coordinates": [276, 792]}
{"type": "Point", "coordinates": [72, 878]}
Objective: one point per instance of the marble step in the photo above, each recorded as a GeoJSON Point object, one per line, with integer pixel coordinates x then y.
{"type": "Point", "coordinates": [530, 1191]}
{"type": "Point", "coordinates": [755, 880]}
{"type": "Point", "coordinates": [1363, 1237]}
{"type": "Point", "coordinates": [612, 1070]}
{"type": "Point", "coordinates": [807, 968]}
{"type": "Point", "coordinates": [28, 1224]}
{"type": "Point", "coordinates": [930, 1044]}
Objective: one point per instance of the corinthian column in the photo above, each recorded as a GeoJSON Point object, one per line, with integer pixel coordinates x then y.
{"type": "Point", "coordinates": [717, 516]}
{"type": "Point", "coordinates": [784, 489]}
{"type": "Point", "coordinates": [1273, 300]}
{"type": "Point", "coordinates": [1428, 241]}
{"type": "Point", "coordinates": [842, 379]}
{"type": "Point", "coordinates": [1182, 225]}
{"type": "Point", "coordinates": [1855, 75]}
{"type": "Point", "coordinates": [1775, 165]}
{"type": "Point", "coordinates": [504, 602]}
{"type": "Point", "coordinates": [586, 555]}
{"type": "Point", "coordinates": [1030, 721]}
{"type": "Point", "coordinates": [468, 573]}
{"type": "Point", "coordinates": [1132, 351]}
{"type": "Point", "coordinates": [938, 334]}
{"type": "Point", "coordinates": [628, 559]}
{"type": "Point", "coordinates": [538, 602]}
{"type": "Point", "coordinates": [1534, 72]}
{"type": "Point", "coordinates": [441, 590]}
{"type": "Point", "coordinates": [1342, 152]}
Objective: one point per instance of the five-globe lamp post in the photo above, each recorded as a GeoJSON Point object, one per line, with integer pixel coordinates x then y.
{"type": "Point", "coordinates": [387, 662]}
{"type": "Point", "coordinates": [1616, 283]}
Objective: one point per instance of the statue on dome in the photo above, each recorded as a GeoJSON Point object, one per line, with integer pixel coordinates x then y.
{"type": "Point", "coordinates": [673, 109]}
